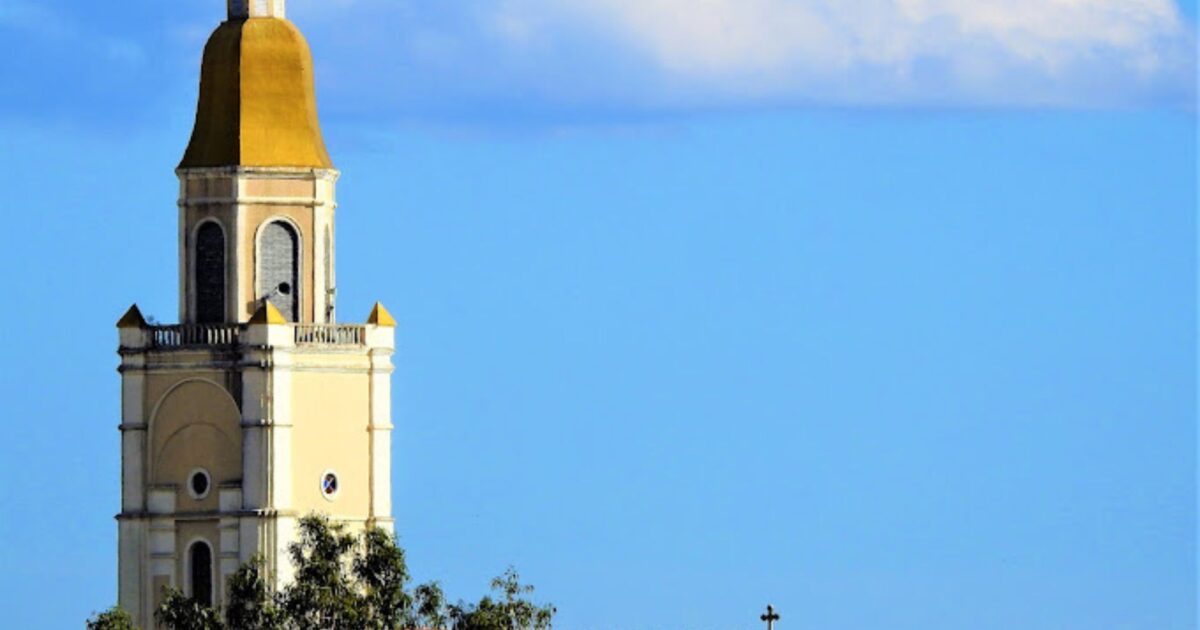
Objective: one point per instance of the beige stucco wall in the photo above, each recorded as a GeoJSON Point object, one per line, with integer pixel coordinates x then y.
{"type": "Point", "coordinates": [194, 424]}
{"type": "Point", "coordinates": [158, 585]}
{"type": "Point", "coordinates": [210, 187]}
{"type": "Point", "coordinates": [330, 417]}
{"type": "Point", "coordinates": [222, 213]}
{"type": "Point", "coordinates": [279, 188]}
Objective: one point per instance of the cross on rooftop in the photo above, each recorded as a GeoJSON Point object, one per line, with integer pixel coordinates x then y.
{"type": "Point", "coordinates": [770, 617]}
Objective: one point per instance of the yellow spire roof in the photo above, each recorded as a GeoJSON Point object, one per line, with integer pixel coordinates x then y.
{"type": "Point", "coordinates": [381, 317]}
{"type": "Point", "coordinates": [258, 105]}
{"type": "Point", "coordinates": [267, 314]}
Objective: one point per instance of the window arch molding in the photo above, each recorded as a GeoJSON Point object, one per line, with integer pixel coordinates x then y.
{"type": "Point", "coordinates": [193, 267]}
{"type": "Point", "coordinates": [298, 234]}
{"type": "Point", "coordinates": [192, 572]}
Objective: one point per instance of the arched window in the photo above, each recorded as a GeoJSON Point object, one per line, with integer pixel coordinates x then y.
{"type": "Point", "coordinates": [200, 565]}
{"type": "Point", "coordinates": [210, 274]}
{"type": "Point", "coordinates": [278, 268]}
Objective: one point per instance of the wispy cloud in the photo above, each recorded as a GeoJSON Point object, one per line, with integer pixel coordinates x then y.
{"type": "Point", "coordinates": [583, 59]}
{"type": "Point", "coordinates": [986, 52]}
{"type": "Point", "coordinates": [568, 61]}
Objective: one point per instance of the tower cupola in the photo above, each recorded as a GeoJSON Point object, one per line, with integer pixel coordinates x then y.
{"type": "Point", "coordinates": [258, 104]}
{"type": "Point", "coordinates": [257, 185]}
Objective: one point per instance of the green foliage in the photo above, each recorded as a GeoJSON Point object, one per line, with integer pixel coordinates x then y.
{"type": "Point", "coordinates": [512, 612]}
{"type": "Point", "coordinates": [323, 595]}
{"type": "Point", "coordinates": [382, 573]}
{"type": "Point", "coordinates": [112, 619]}
{"type": "Point", "coordinates": [344, 582]}
{"type": "Point", "coordinates": [251, 604]}
{"type": "Point", "coordinates": [180, 612]}
{"type": "Point", "coordinates": [431, 606]}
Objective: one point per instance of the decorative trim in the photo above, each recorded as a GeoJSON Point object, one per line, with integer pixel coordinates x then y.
{"type": "Point", "coordinates": [336, 370]}
{"type": "Point", "coordinates": [150, 456]}
{"type": "Point", "coordinates": [308, 202]}
{"type": "Point", "coordinates": [187, 381]}
{"type": "Point", "coordinates": [337, 485]}
{"type": "Point", "coordinates": [263, 172]}
{"type": "Point", "coordinates": [208, 515]}
{"type": "Point", "coordinates": [257, 365]}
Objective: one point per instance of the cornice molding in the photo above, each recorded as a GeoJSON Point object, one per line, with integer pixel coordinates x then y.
{"type": "Point", "coordinates": [259, 172]}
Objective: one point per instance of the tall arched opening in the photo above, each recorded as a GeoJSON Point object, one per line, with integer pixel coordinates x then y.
{"type": "Point", "coordinates": [210, 274]}
{"type": "Point", "coordinates": [200, 568]}
{"type": "Point", "coordinates": [279, 268]}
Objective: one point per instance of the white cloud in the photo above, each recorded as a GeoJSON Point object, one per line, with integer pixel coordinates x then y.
{"type": "Point", "coordinates": [990, 52]}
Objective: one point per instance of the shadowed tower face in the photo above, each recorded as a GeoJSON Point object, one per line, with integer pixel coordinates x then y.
{"type": "Point", "coordinates": [257, 408]}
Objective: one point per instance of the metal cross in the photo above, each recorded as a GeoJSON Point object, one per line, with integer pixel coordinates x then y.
{"type": "Point", "coordinates": [771, 617]}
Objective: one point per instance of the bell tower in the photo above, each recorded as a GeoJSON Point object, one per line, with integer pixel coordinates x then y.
{"type": "Point", "coordinates": [257, 407]}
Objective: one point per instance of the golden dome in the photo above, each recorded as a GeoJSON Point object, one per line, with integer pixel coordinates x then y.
{"type": "Point", "coordinates": [257, 103]}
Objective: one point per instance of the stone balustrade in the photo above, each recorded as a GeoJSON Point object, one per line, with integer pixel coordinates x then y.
{"type": "Point", "coordinates": [229, 335]}
{"type": "Point", "coordinates": [185, 335]}
{"type": "Point", "coordinates": [330, 334]}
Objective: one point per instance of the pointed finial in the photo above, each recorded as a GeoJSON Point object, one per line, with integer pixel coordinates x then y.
{"type": "Point", "coordinates": [267, 314]}
{"type": "Point", "coordinates": [381, 317]}
{"type": "Point", "coordinates": [132, 318]}
{"type": "Point", "coordinates": [242, 9]}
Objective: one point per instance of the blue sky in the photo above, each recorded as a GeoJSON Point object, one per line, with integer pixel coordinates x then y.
{"type": "Point", "coordinates": [696, 313]}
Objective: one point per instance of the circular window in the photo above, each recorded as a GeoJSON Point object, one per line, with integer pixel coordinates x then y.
{"type": "Point", "coordinates": [330, 485]}
{"type": "Point", "coordinates": [199, 483]}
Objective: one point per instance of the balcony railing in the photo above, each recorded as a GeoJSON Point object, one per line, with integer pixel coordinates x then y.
{"type": "Point", "coordinates": [184, 335]}
{"type": "Point", "coordinates": [228, 335]}
{"type": "Point", "coordinates": [330, 335]}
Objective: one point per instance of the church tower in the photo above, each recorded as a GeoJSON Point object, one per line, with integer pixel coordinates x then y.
{"type": "Point", "coordinates": [257, 408]}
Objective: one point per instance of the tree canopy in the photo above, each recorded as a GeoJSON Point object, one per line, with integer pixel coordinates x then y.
{"type": "Point", "coordinates": [112, 619]}
{"type": "Point", "coordinates": [343, 581]}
